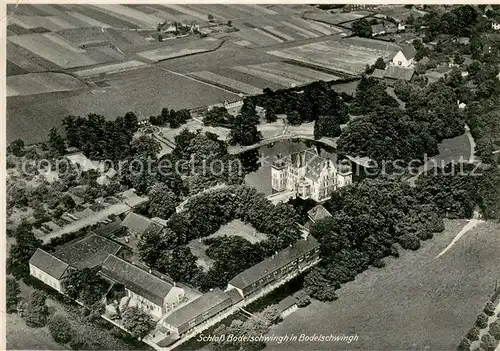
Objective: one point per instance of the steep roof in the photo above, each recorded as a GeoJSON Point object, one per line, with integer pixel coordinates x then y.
{"type": "Point", "coordinates": [282, 258]}
{"type": "Point", "coordinates": [89, 252]}
{"type": "Point", "coordinates": [318, 212]}
{"type": "Point", "coordinates": [395, 72]}
{"type": "Point", "coordinates": [196, 307]}
{"type": "Point", "coordinates": [409, 51]}
{"type": "Point", "coordinates": [135, 279]}
{"type": "Point", "coordinates": [48, 263]}
{"type": "Point", "coordinates": [378, 28]}
{"type": "Point", "coordinates": [138, 223]}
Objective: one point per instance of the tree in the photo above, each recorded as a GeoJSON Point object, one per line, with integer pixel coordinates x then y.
{"type": "Point", "coordinates": [362, 28]}
{"type": "Point", "coordinates": [137, 322]}
{"type": "Point", "coordinates": [21, 252]}
{"type": "Point", "coordinates": [380, 63]}
{"type": "Point", "coordinates": [464, 345]}
{"type": "Point", "coordinates": [270, 115]}
{"type": "Point", "coordinates": [488, 342]}
{"type": "Point", "coordinates": [482, 320]}
{"type": "Point", "coordinates": [217, 116]}
{"type": "Point", "coordinates": [271, 314]}
{"type": "Point", "coordinates": [495, 329]}
{"type": "Point", "coordinates": [229, 23]}
{"type": "Point", "coordinates": [210, 17]}
{"type": "Point", "coordinates": [12, 295]}
{"type": "Point", "coordinates": [473, 334]}
{"type": "Point", "coordinates": [56, 143]}
{"type": "Point", "coordinates": [180, 264]}
{"type": "Point", "coordinates": [244, 131]}
{"type": "Point", "coordinates": [326, 126]}
{"type": "Point", "coordinates": [86, 285]}
{"type": "Point", "coordinates": [489, 308]}
{"type": "Point", "coordinates": [60, 329]}
{"type": "Point", "coordinates": [16, 148]}
{"type": "Point", "coordinates": [36, 311]}
{"type": "Point", "coordinates": [162, 201]}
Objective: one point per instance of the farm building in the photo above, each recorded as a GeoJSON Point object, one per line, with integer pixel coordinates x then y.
{"type": "Point", "coordinates": [405, 57]}
{"type": "Point", "coordinates": [197, 311]}
{"type": "Point", "coordinates": [293, 258]}
{"type": "Point", "coordinates": [394, 73]}
{"type": "Point", "coordinates": [89, 252]}
{"type": "Point", "coordinates": [378, 29]}
{"type": "Point", "coordinates": [144, 290]}
{"type": "Point", "coordinates": [287, 306]}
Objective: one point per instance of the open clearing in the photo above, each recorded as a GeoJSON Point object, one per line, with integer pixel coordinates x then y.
{"type": "Point", "coordinates": [17, 336]}
{"type": "Point", "coordinates": [416, 302]}
{"type": "Point", "coordinates": [38, 83]}
{"type": "Point", "coordinates": [234, 228]}
{"type": "Point", "coordinates": [349, 55]}
{"type": "Point", "coordinates": [151, 88]}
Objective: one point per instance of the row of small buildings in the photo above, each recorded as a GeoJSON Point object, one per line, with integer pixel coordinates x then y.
{"type": "Point", "coordinates": [176, 308]}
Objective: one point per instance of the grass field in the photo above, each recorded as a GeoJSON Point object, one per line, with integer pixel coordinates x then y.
{"type": "Point", "coordinates": [233, 228]}
{"type": "Point", "coordinates": [151, 89]}
{"type": "Point", "coordinates": [22, 337]}
{"type": "Point", "coordinates": [416, 302]}
{"type": "Point", "coordinates": [346, 55]}
{"type": "Point", "coordinates": [38, 83]}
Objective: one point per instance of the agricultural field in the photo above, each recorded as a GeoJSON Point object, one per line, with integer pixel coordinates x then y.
{"type": "Point", "coordinates": [38, 83]}
{"type": "Point", "coordinates": [110, 69]}
{"type": "Point", "coordinates": [336, 17]}
{"type": "Point", "coordinates": [179, 50]}
{"type": "Point", "coordinates": [417, 301]}
{"type": "Point", "coordinates": [349, 55]}
{"type": "Point", "coordinates": [272, 30]}
{"type": "Point", "coordinates": [151, 89]}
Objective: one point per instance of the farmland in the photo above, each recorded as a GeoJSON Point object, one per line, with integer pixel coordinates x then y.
{"type": "Point", "coordinates": [38, 83]}
{"type": "Point", "coordinates": [113, 54]}
{"type": "Point", "coordinates": [424, 302]}
{"type": "Point", "coordinates": [347, 55]}
{"type": "Point", "coordinates": [32, 121]}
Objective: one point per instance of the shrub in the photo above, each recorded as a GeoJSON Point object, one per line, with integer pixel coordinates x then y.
{"type": "Point", "coordinates": [482, 320]}
{"type": "Point", "coordinates": [409, 242]}
{"type": "Point", "coordinates": [489, 309]}
{"type": "Point", "coordinates": [495, 329]}
{"type": "Point", "coordinates": [473, 334]}
{"type": "Point", "coordinates": [60, 329]}
{"type": "Point", "coordinates": [302, 299]}
{"type": "Point", "coordinates": [464, 345]}
{"type": "Point", "coordinates": [36, 312]}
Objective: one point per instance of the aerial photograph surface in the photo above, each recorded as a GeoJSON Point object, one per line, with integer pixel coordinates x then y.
{"type": "Point", "coordinates": [252, 177]}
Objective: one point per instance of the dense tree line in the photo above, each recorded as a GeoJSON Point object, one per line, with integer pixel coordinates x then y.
{"type": "Point", "coordinates": [172, 118]}
{"type": "Point", "coordinates": [368, 220]}
{"type": "Point", "coordinates": [98, 138]}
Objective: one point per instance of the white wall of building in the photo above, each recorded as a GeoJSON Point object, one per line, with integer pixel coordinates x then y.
{"type": "Point", "coordinates": [46, 278]}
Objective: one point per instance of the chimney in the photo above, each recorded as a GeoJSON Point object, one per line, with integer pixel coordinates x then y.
{"type": "Point", "coordinates": [175, 285]}
{"type": "Point", "coordinates": [150, 271]}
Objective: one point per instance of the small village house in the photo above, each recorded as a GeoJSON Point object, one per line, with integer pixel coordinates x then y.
{"type": "Point", "coordinates": [404, 57]}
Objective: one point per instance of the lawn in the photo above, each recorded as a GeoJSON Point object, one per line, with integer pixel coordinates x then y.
{"type": "Point", "coordinates": [233, 228]}
{"type": "Point", "coordinates": [22, 337]}
{"type": "Point", "coordinates": [344, 55]}
{"type": "Point", "coordinates": [151, 89]}
{"type": "Point", "coordinates": [416, 302]}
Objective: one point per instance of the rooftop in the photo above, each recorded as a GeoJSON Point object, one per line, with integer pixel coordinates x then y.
{"type": "Point", "coordinates": [140, 224]}
{"type": "Point", "coordinates": [136, 279]}
{"type": "Point", "coordinates": [395, 72]}
{"type": "Point", "coordinates": [89, 252]}
{"type": "Point", "coordinates": [409, 51]}
{"type": "Point", "coordinates": [196, 307]}
{"type": "Point", "coordinates": [318, 212]}
{"type": "Point", "coordinates": [282, 258]}
{"type": "Point", "coordinates": [48, 263]}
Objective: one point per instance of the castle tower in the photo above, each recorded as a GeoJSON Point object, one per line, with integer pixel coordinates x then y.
{"type": "Point", "coordinates": [278, 174]}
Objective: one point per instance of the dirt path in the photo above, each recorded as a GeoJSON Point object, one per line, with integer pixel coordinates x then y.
{"type": "Point", "coordinates": [471, 224]}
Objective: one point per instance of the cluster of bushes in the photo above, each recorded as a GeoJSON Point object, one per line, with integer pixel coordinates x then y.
{"type": "Point", "coordinates": [490, 340]}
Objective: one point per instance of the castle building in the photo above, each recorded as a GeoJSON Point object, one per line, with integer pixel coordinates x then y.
{"type": "Point", "coordinates": [309, 175]}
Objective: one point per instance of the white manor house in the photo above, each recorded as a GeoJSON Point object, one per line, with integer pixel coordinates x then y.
{"type": "Point", "coordinates": [309, 175]}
